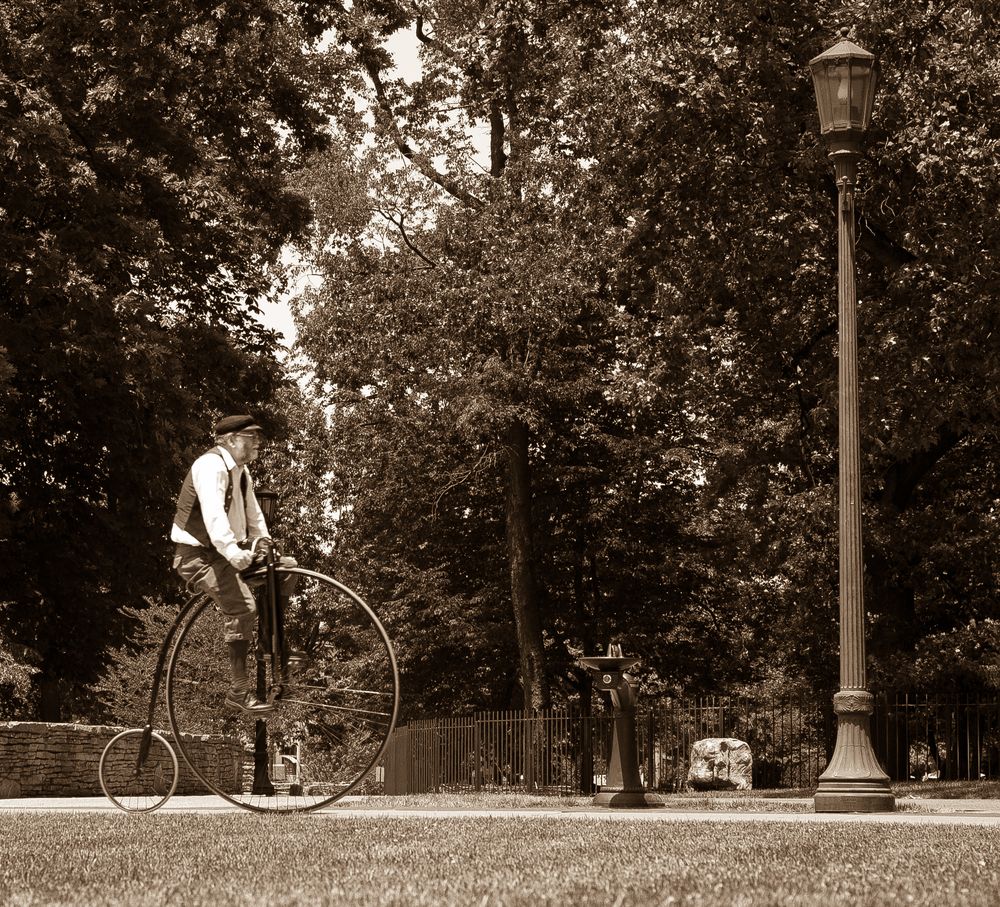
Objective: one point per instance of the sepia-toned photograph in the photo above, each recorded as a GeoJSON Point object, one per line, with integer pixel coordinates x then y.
{"type": "Point", "coordinates": [497, 453]}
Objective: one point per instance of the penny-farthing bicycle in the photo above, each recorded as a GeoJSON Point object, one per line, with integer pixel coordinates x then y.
{"type": "Point", "coordinates": [325, 662]}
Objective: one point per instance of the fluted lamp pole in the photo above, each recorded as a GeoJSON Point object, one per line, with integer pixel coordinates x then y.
{"type": "Point", "coordinates": [844, 79]}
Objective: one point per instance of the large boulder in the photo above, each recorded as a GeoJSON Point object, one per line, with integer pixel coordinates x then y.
{"type": "Point", "coordinates": [720, 763]}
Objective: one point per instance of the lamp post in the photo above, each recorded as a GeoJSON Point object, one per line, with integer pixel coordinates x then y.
{"type": "Point", "coordinates": [268, 502]}
{"type": "Point", "coordinates": [844, 79]}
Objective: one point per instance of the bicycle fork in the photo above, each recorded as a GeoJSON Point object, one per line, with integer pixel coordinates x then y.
{"type": "Point", "coordinates": [273, 665]}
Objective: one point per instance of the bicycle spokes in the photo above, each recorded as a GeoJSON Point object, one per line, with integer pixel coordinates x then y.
{"type": "Point", "coordinates": [138, 770]}
{"type": "Point", "coordinates": [335, 703]}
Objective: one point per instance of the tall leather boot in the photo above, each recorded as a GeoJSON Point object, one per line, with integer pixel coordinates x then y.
{"type": "Point", "coordinates": [238, 650]}
{"type": "Point", "coordinates": [240, 695]}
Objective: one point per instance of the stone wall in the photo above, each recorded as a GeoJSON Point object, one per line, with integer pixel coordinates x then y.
{"type": "Point", "coordinates": [61, 760]}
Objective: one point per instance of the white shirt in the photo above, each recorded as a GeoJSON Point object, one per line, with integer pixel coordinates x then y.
{"type": "Point", "coordinates": [210, 474]}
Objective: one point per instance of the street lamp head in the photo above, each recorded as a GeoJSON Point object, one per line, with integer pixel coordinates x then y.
{"type": "Point", "coordinates": [844, 79]}
{"type": "Point", "coordinates": [268, 503]}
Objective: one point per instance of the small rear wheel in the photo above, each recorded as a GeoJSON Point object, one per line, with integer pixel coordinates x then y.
{"type": "Point", "coordinates": [138, 770]}
{"type": "Point", "coordinates": [334, 708]}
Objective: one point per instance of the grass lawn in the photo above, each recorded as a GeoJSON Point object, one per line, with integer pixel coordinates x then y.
{"type": "Point", "coordinates": [728, 801]}
{"type": "Point", "coordinates": [909, 796]}
{"type": "Point", "coordinates": [229, 859]}
{"type": "Point", "coordinates": [949, 790]}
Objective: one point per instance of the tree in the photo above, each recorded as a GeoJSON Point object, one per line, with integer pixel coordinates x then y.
{"type": "Point", "coordinates": [634, 298]}
{"type": "Point", "coordinates": [479, 356]}
{"type": "Point", "coordinates": [144, 203]}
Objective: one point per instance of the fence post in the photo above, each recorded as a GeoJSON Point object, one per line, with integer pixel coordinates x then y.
{"type": "Point", "coordinates": [477, 747]}
{"type": "Point", "coordinates": [586, 756]}
{"type": "Point", "coordinates": [651, 751]}
{"type": "Point", "coordinates": [529, 751]}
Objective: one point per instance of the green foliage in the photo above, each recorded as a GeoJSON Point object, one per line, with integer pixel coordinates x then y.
{"type": "Point", "coordinates": [143, 205]}
{"type": "Point", "coordinates": [575, 387]}
{"type": "Point", "coordinates": [962, 658]}
{"type": "Point", "coordinates": [125, 685]}
{"type": "Point", "coordinates": [643, 276]}
{"type": "Point", "coordinates": [16, 671]}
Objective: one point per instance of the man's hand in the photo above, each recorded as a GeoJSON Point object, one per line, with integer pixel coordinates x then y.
{"type": "Point", "coordinates": [241, 560]}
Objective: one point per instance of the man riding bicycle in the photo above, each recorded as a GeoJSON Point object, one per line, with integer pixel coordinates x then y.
{"type": "Point", "coordinates": [217, 520]}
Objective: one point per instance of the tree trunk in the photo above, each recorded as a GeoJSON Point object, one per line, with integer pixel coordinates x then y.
{"type": "Point", "coordinates": [893, 599]}
{"type": "Point", "coordinates": [523, 589]}
{"type": "Point", "coordinates": [49, 698]}
{"type": "Point", "coordinates": [583, 620]}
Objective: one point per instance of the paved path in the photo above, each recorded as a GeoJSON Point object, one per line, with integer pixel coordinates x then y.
{"type": "Point", "coordinates": [909, 811]}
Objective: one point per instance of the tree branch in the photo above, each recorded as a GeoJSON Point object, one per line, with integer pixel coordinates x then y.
{"type": "Point", "coordinates": [422, 36]}
{"type": "Point", "coordinates": [459, 479]}
{"type": "Point", "coordinates": [406, 238]}
{"type": "Point", "coordinates": [419, 160]}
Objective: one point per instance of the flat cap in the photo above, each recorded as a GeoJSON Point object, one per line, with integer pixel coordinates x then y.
{"type": "Point", "coordinates": [236, 423]}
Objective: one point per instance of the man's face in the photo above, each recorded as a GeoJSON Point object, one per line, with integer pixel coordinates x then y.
{"type": "Point", "coordinates": [245, 446]}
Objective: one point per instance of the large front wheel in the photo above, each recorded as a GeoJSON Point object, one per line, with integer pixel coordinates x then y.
{"type": "Point", "coordinates": [334, 708]}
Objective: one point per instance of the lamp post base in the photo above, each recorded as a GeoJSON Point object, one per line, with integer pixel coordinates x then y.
{"type": "Point", "coordinates": [627, 799]}
{"type": "Point", "coordinates": [853, 797]}
{"type": "Point", "coordinates": [854, 781]}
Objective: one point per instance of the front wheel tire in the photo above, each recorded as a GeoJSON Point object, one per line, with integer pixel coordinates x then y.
{"type": "Point", "coordinates": [334, 712]}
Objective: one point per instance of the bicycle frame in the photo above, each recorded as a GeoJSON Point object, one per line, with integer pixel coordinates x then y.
{"type": "Point", "coordinates": [282, 678]}
{"type": "Point", "coordinates": [271, 646]}
{"type": "Point", "coordinates": [270, 625]}
{"type": "Point", "coordinates": [268, 617]}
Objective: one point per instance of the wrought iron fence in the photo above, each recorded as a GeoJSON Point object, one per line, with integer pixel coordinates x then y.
{"type": "Point", "coordinates": [921, 736]}
{"type": "Point", "coordinates": [930, 736]}
{"type": "Point", "coordinates": [486, 751]}
{"type": "Point", "coordinates": [788, 737]}
{"type": "Point", "coordinates": [565, 752]}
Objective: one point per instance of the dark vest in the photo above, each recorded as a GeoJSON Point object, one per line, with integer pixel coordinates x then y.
{"type": "Point", "coordinates": [189, 516]}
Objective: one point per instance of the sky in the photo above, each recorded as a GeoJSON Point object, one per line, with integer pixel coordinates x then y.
{"type": "Point", "coordinates": [277, 315]}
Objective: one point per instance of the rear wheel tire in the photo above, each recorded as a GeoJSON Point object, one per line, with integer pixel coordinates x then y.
{"type": "Point", "coordinates": [333, 715]}
{"type": "Point", "coordinates": [135, 787]}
